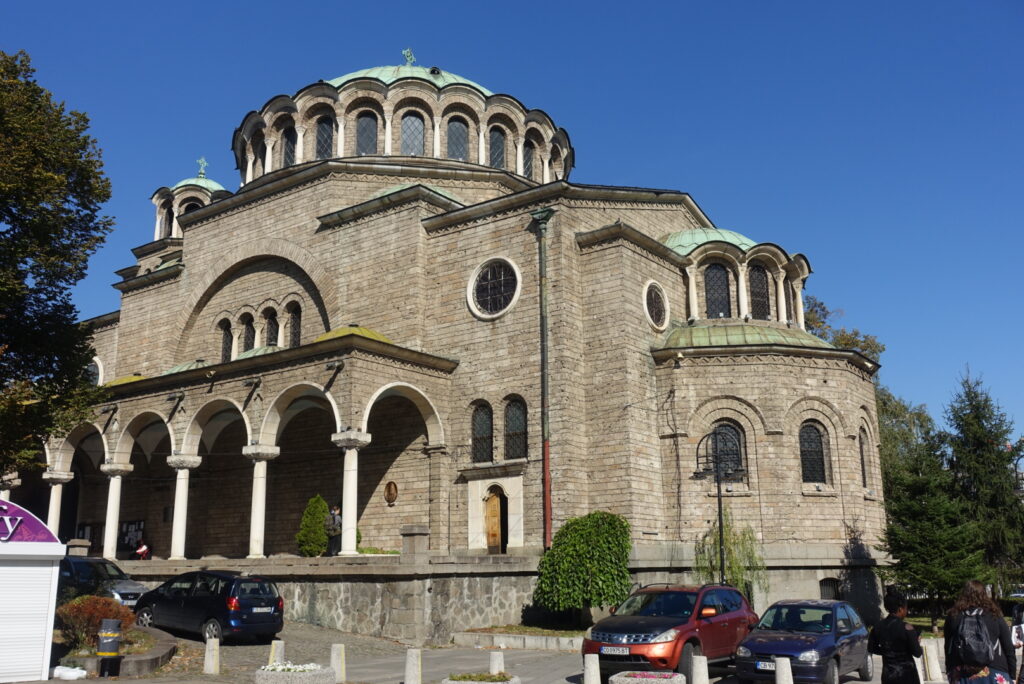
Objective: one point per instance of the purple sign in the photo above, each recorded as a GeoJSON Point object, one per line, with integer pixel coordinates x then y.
{"type": "Point", "coordinates": [18, 525]}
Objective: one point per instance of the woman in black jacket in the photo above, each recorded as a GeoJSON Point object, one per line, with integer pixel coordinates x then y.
{"type": "Point", "coordinates": [974, 601]}
{"type": "Point", "coordinates": [897, 642]}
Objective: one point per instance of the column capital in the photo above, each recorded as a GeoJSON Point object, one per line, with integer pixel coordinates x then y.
{"type": "Point", "coordinates": [435, 449]}
{"type": "Point", "coordinates": [351, 439]}
{"type": "Point", "coordinates": [179, 462]}
{"type": "Point", "coordinates": [116, 469]}
{"type": "Point", "coordinates": [58, 477]}
{"type": "Point", "coordinates": [10, 481]}
{"type": "Point", "coordinates": [261, 452]}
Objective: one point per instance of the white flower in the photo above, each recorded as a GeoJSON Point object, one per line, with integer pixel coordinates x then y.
{"type": "Point", "coordinates": [288, 666]}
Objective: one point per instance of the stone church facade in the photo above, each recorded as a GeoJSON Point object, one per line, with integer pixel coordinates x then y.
{"type": "Point", "coordinates": [407, 307]}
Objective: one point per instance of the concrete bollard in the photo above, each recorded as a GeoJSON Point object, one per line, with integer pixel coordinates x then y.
{"type": "Point", "coordinates": [211, 660]}
{"type": "Point", "coordinates": [338, 663]}
{"type": "Point", "coordinates": [932, 668]}
{"type": "Point", "coordinates": [413, 668]}
{"type": "Point", "coordinates": [699, 670]}
{"type": "Point", "coordinates": [591, 669]}
{"type": "Point", "coordinates": [783, 671]}
{"type": "Point", "coordinates": [919, 664]}
{"type": "Point", "coordinates": [497, 663]}
{"type": "Point", "coordinates": [276, 652]}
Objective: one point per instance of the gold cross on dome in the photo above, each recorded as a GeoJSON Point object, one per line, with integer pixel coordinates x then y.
{"type": "Point", "coordinates": [410, 59]}
{"type": "Point", "coordinates": [202, 166]}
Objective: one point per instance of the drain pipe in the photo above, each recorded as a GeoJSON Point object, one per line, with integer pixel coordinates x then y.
{"type": "Point", "coordinates": [542, 216]}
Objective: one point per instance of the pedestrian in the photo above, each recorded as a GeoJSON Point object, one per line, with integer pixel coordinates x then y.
{"type": "Point", "coordinates": [142, 550]}
{"type": "Point", "coordinates": [896, 641]}
{"type": "Point", "coordinates": [332, 525]}
{"type": "Point", "coordinates": [979, 648]}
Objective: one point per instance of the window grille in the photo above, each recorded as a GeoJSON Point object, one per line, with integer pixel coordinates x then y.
{"type": "Point", "coordinates": [412, 135]}
{"type": "Point", "coordinates": [497, 148]}
{"type": "Point", "coordinates": [294, 325]}
{"type": "Point", "coordinates": [495, 286]}
{"type": "Point", "coordinates": [812, 453]}
{"type": "Point", "coordinates": [226, 341]}
{"type": "Point", "coordinates": [528, 151]}
{"type": "Point", "coordinates": [92, 373]}
{"type": "Point", "coordinates": [862, 439]}
{"type": "Point", "coordinates": [324, 138]}
{"type": "Point", "coordinates": [830, 589]}
{"type": "Point", "coordinates": [727, 447]}
{"type": "Point", "coordinates": [458, 140]}
{"type": "Point", "coordinates": [288, 151]}
{"type": "Point", "coordinates": [483, 434]}
{"type": "Point", "coordinates": [515, 429]}
{"type": "Point", "coordinates": [760, 294]}
{"type": "Point", "coordinates": [656, 305]}
{"type": "Point", "coordinates": [366, 133]}
{"type": "Point", "coordinates": [716, 292]}
{"type": "Point", "coordinates": [271, 328]}
{"type": "Point", "coordinates": [248, 333]}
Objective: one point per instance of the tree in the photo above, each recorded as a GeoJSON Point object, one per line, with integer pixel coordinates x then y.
{"type": "Point", "coordinates": [983, 463]}
{"type": "Point", "coordinates": [312, 537]}
{"type": "Point", "coordinates": [818, 320]}
{"type": "Point", "coordinates": [587, 564]}
{"type": "Point", "coordinates": [744, 567]}
{"type": "Point", "coordinates": [51, 189]}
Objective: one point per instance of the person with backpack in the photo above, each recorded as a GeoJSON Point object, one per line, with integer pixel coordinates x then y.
{"type": "Point", "coordinates": [896, 641]}
{"type": "Point", "coordinates": [332, 526]}
{"type": "Point", "coordinates": [979, 648]}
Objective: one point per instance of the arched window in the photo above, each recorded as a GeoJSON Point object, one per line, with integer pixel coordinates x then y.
{"type": "Point", "coordinates": [366, 133]}
{"type": "Point", "coordinates": [412, 135]}
{"type": "Point", "coordinates": [760, 295]}
{"type": "Point", "coordinates": [812, 452]}
{"type": "Point", "coordinates": [458, 139]}
{"type": "Point", "coordinates": [789, 302]}
{"type": "Point", "coordinates": [497, 140]}
{"type": "Point", "coordinates": [248, 332]}
{"type": "Point", "coordinates": [166, 220]}
{"type": "Point", "coordinates": [483, 433]}
{"type": "Point", "coordinates": [515, 429]}
{"type": "Point", "coordinates": [324, 138]}
{"type": "Point", "coordinates": [862, 443]}
{"type": "Point", "coordinates": [270, 328]}
{"type": "Point", "coordinates": [261, 158]}
{"type": "Point", "coordinates": [294, 325]}
{"type": "Point", "coordinates": [190, 207]}
{"type": "Point", "coordinates": [716, 291]}
{"type": "Point", "coordinates": [226, 340]}
{"type": "Point", "coordinates": [727, 447]}
{"type": "Point", "coordinates": [528, 152]}
{"type": "Point", "coordinates": [92, 373]}
{"type": "Point", "coordinates": [289, 139]}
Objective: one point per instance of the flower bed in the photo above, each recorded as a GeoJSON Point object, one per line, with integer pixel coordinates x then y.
{"type": "Point", "coordinates": [291, 673]}
{"type": "Point", "coordinates": [633, 677]}
{"type": "Point", "coordinates": [481, 678]}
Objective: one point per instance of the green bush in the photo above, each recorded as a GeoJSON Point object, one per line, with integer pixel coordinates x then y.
{"type": "Point", "coordinates": [79, 620]}
{"type": "Point", "coordinates": [587, 564]}
{"type": "Point", "coordinates": [312, 538]}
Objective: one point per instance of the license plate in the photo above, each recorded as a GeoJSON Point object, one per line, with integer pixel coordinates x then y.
{"type": "Point", "coordinates": [761, 665]}
{"type": "Point", "coordinates": [268, 609]}
{"type": "Point", "coordinates": [130, 603]}
{"type": "Point", "coordinates": [615, 650]}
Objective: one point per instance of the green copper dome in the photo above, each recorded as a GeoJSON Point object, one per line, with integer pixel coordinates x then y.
{"type": "Point", "coordinates": [690, 336]}
{"type": "Point", "coordinates": [685, 241]}
{"type": "Point", "coordinates": [390, 74]}
{"type": "Point", "coordinates": [201, 181]}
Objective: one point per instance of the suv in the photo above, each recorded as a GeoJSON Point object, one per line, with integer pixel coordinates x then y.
{"type": "Point", "coordinates": [86, 575]}
{"type": "Point", "coordinates": [216, 604]}
{"type": "Point", "coordinates": [661, 627]}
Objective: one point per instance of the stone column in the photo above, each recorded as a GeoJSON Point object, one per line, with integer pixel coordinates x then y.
{"type": "Point", "coordinates": [519, 155]}
{"type": "Point", "coordinates": [182, 464]}
{"type": "Point", "coordinates": [259, 454]}
{"type": "Point", "coordinates": [387, 133]}
{"type": "Point", "coordinates": [691, 290]}
{"type": "Point", "coordinates": [7, 483]}
{"type": "Point", "coordinates": [268, 160]}
{"type": "Point", "coordinates": [110, 526]}
{"type": "Point", "coordinates": [780, 297]}
{"type": "Point", "coordinates": [56, 479]}
{"type": "Point", "coordinates": [545, 163]}
{"type": "Point", "coordinates": [248, 167]}
{"type": "Point", "coordinates": [480, 158]}
{"type": "Point", "coordinates": [300, 151]}
{"type": "Point", "coordinates": [437, 139]}
{"type": "Point", "coordinates": [159, 223]}
{"type": "Point", "coordinates": [438, 492]}
{"type": "Point", "coordinates": [351, 441]}
{"type": "Point", "coordinates": [741, 287]}
{"type": "Point", "coordinates": [798, 302]}
{"type": "Point", "coordinates": [341, 136]}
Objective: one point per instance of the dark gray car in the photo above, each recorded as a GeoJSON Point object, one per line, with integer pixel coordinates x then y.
{"type": "Point", "coordinates": [86, 575]}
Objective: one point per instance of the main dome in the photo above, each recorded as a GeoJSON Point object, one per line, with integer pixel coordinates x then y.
{"type": "Point", "coordinates": [391, 74]}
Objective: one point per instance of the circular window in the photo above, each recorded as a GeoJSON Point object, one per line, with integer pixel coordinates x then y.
{"type": "Point", "coordinates": [655, 305]}
{"type": "Point", "coordinates": [493, 289]}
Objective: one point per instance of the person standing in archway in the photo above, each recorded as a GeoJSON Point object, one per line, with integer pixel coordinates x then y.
{"type": "Point", "coordinates": [332, 525]}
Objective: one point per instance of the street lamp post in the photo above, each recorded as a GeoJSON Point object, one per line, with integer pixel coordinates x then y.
{"type": "Point", "coordinates": [721, 458]}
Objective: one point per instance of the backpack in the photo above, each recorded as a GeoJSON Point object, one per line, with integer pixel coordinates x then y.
{"type": "Point", "coordinates": [972, 642]}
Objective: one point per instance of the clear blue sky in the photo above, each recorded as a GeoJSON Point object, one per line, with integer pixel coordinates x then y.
{"type": "Point", "coordinates": [882, 139]}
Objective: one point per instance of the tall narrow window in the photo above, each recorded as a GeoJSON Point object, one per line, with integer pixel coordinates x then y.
{"type": "Point", "coordinates": [528, 151]}
{"type": "Point", "coordinates": [270, 328]}
{"type": "Point", "coordinates": [760, 294]}
{"type": "Point", "coordinates": [261, 158]}
{"type": "Point", "coordinates": [789, 302]}
{"type": "Point", "coordinates": [812, 452]}
{"type": "Point", "coordinates": [248, 332]}
{"type": "Point", "coordinates": [458, 139]}
{"type": "Point", "coordinates": [412, 135]}
{"type": "Point", "coordinates": [483, 433]}
{"type": "Point", "coordinates": [862, 442]}
{"type": "Point", "coordinates": [226, 340]}
{"type": "Point", "coordinates": [716, 291]}
{"type": "Point", "coordinates": [166, 220]}
{"type": "Point", "coordinates": [289, 139]}
{"type": "Point", "coordinates": [294, 325]}
{"type": "Point", "coordinates": [324, 138]}
{"type": "Point", "coordinates": [727, 447]}
{"type": "Point", "coordinates": [366, 133]}
{"type": "Point", "coordinates": [92, 373]}
{"type": "Point", "coordinates": [497, 140]}
{"type": "Point", "coordinates": [515, 429]}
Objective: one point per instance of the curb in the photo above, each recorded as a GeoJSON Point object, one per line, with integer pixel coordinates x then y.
{"type": "Point", "coordinates": [133, 665]}
{"type": "Point", "coordinates": [517, 641]}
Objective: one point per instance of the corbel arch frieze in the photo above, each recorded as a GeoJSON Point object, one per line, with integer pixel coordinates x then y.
{"type": "Point", "coordinates": [727, 406]}
{"type": "Point", "coordinates": [822, 410]}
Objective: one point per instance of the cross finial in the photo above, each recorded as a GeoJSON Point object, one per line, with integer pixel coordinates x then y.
{"type": "Point", "coordinates": [202, 166]}
{"type": "Point", "coordinates": [410, 59]}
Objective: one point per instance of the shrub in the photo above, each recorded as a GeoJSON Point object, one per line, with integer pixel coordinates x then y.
{"type": "Point", "coordinates": [312, 538]}
{"type": "Point", "coordinates": [79, 620]}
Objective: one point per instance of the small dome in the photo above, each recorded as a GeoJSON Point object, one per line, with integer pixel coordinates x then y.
{"type": "Point", "coordinates": [685, 241]}
{"type": "Point", "coordinates": [201, 181]}
{"type": "Point", "coordinates": [690, 336]}
{"type": "Point", "coordinates": [390, 74]}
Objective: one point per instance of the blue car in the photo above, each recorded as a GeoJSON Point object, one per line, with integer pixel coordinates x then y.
{"type": "Point", "coordinates": [823, 641]}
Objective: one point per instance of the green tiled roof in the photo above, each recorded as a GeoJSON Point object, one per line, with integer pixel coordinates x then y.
{"type": "Point", "coordinates": [123, 380]}
{"type": "Point", "coordinates": [354, 330]}
{"type": "Point", "coordinates": [188, 365]}
{"type": "Point", "coordinates": [390, 74]}
{"type": "Point", "coordinates": [258, 351]}
{"type": "Point", "coordinates": [689, 336]}
{"type": "Point", "coordinates": [685, 241]}
{"type": "Point", "coordinates": [403, 186]}
{"type": "Point", "coordinates": [203, 182]}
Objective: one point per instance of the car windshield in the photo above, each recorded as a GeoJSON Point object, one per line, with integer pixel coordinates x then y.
{"type": "Point", "coordinates": [100, 572]}
{"type": "Point", "coordinates": [810, 619]}
{"type": "Point", "coordinates": [659, 604]}
{"type": "Point", "coordinates": [255, 589]}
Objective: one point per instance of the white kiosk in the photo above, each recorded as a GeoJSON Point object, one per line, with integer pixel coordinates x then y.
{"type": "Point", "coordinates": [29, 566]}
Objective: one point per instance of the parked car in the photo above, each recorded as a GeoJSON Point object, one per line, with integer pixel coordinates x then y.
{"type": "Point", "coordinates": [661, 627]}
{"type": "Point", "coordinates": [87, 575]}
{"type": "Point", "coordinates": [215, 604]}
{"type": "Point", "coordinates": [823, 640]}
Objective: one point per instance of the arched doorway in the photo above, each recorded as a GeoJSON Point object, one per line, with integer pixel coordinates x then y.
{"type": "Point", "coordinates": [496, 520]}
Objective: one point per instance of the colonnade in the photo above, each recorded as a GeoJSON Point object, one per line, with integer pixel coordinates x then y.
{"type": "Point", "coordinates": [743, 295]}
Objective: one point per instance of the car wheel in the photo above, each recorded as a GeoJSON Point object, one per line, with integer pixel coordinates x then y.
{"type": "Point", "coordinates": [144, 618]}
{"type": "Point", "coordinates": [212, 630]}
{"type": "Point", "coordinates": [685, 666]}
{"type": "Point", "coordinates": [867, 670]}
{"type": "Point", "coordinates": [832, 673]}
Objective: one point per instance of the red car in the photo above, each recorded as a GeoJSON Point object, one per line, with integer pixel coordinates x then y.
{"type": "Point", "coordinates": [660, 627]}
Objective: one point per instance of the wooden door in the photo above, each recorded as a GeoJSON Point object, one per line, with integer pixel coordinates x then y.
{"type": "Point", "coordinates": [492, 522]}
